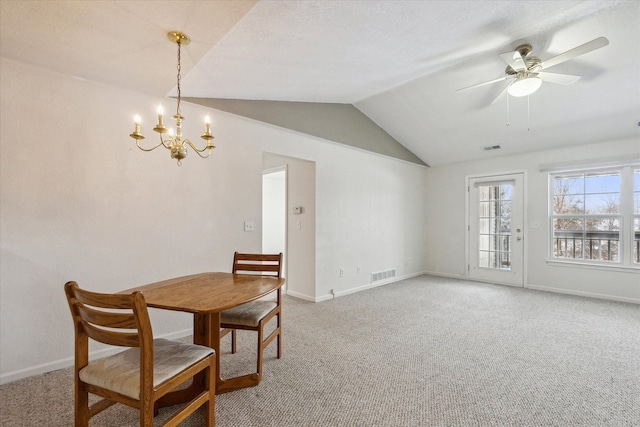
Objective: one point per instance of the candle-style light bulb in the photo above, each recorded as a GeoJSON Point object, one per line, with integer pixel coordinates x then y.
{"type": "Point", "coordinates": [207, 131]}
{"type": "Point", "coordinates": [136, 131]}
{"type": "Point", "coordinates": [160, 113]}
{"type": "Point", "coordinates": [207, 122]}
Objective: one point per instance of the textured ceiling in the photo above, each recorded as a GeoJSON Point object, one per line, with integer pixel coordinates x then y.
{"type": "Point", "coordinates": [399, 62]}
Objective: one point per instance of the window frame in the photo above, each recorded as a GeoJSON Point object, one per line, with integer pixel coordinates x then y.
{"type": "Point", "coordinates": [627, 217]}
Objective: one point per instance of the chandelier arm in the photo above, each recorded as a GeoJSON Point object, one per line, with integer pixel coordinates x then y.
{"type": "Point", "coordinates": [166, 143]}
{"type": "Point", "coordinates": [149, 149]}
{"type": "Point", "coordinates": [200, 150]}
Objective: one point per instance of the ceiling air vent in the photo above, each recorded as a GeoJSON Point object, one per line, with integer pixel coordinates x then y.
{"type": "Point", "coordinates": [491, 147]}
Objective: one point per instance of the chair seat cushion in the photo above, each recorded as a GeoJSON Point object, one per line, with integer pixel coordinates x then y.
{"type": "Point", "coordinates": [121, 372]}
{"type": "Point", "coordinates": [247, 314]}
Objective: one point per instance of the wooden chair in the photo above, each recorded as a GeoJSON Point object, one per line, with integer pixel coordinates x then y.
{"type": "Point", "coordinates": [141, 375]}
{"type": "Point", "coordinates": [254, 315]}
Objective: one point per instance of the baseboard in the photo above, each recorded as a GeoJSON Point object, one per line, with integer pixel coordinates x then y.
{"type": "Point", "coordinates": [549, 289]}
{"type": "Point", "coordinates": [582, 293]}
{"type": "Point", "coordinates": [301, 296]}
{"type": "Point", "coordinates": [68, 361]}
{"type": "Point", "coordinates": [449, 275]}
{"type": "Point", "coordinates": [367, 286]}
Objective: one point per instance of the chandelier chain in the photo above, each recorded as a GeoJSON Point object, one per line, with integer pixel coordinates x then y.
{"type": "Point", "coordinates": [178, 77]}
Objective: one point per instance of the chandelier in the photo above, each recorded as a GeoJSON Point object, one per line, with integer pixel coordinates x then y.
{"type": "Point", "coordinates": [175, 143]}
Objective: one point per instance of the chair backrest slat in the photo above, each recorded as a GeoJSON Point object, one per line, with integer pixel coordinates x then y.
{"type": "Point", "coordinates": [115, 301]}
{"type": "Point", "coordinates": [108, 319]}
{"type": "Point", "coordinates": [269, 264]}
{"type": "Point", "coordinates": [122, 339]}
{"type": "Point", "coordinates": [120, 320]}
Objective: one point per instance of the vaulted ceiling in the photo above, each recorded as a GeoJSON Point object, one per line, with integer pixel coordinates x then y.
{"type": "Point", "coordinates": [398, 62]}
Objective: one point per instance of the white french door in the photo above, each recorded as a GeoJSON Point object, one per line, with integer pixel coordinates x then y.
{"type": "Point", "coordinates": [496, 224]}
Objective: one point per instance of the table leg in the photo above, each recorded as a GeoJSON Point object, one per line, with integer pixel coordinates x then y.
{"type": "Point", "coordinates": [207, 332]}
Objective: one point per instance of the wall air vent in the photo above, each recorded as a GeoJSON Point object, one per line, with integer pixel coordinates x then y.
{"type": "Point", "coordinates": [491, 147]}
{"type": "Point", "coordinates": [383, 275]}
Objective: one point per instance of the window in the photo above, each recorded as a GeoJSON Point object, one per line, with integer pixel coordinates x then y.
{"type": "Point", "coordinates": [636, 216]}
{"type": "Point", "coordinates": [494, 217]}
{"type": "Point", "coordinates": [595, 216]}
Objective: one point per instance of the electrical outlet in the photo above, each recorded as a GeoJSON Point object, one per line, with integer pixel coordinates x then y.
{"type": "Point", "coordinates": [341, 273]}
{"type": "Point", "coordinates": [358, 269]}
{"type": "Point", "coordinates": [248, 226]}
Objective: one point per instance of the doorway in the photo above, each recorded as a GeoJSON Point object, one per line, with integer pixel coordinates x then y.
{"type": "Point", "coordinates": [495, 229]}
{"type": "Point", "coordinates": [274, 213]}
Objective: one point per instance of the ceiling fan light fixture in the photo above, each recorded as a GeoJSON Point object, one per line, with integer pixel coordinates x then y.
{"type": "Point", "coordinates": [525, 86]}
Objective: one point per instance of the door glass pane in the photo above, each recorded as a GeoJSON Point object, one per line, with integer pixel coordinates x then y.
{"type": "Point", "coordinates": [494, 239]}
{"type": "Point", "coordinates": [636, 240]}
{"type": "Point", "coordinates": [636, 191]}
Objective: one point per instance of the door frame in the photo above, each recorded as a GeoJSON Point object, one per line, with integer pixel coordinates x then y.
{"type": "Point", "coordinates": [497, 176]}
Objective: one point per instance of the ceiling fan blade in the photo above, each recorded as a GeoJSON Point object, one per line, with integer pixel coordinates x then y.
{"type": "Point", "coordinates": [560, 79]}
{"type": "Point", "coordinates": [482, 84]}
{"type": "Point", "coordinates": [514, 60]}
{"type": "Point", "coordinates": [497, 98]}
{"type": "Point", "coordinates": [576, 51]}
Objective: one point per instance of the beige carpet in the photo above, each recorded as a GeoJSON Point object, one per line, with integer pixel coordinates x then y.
{"type": "Point", "coordinates": [427, 351]}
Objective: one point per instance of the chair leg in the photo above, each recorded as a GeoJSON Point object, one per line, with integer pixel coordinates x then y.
{"type": "Point", "coordinates": [82, 414]}
{"type": "Point", "coordinates": [233, 341]}
{"type": "Point", "coordinates": [210, 406]}
{"type": "Point", "coordinates": [279, 337]}
{"type": "Point", "coordinates": [259, 355]}
{"type": "Point", "coordinates": [146, 415]}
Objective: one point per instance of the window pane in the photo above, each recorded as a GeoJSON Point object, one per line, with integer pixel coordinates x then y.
{"type": "Point", "coordinates": [505, 208]}
{"type": "Point", "coordinates": [505, 262]}
{"type": "Point", "coordinates": [505, 225]}
{"type": "Point", "coordinates": [506, 191]}
{"type": "Point", "coordinates": [568, 184]}
{"type": "Point", "coordinates": [602, 183]}
{"type": "Point", "coordinates": [602, 203]}
{"type": "Point", "coordinates": [483, 259]}
{"type": "Point", "coordinates": [483, 242]}
{"type": "Point", "coordinates": [568, 237]}
{"type": "Point", "coordinates": [568, 224]}
{"type": "Point", "coordinates": [636, 240]}
{"type": "Point", "coordinates": [568, 204]}
{"type": "Point", "coordinates": [636, 191]}
{"type": "Point", "coordinates": [602, 239]}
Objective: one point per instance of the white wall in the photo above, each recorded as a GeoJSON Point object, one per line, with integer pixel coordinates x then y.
{"type": "Point", "coordinates": [446, 237]}
{"type": "Point", "coordinates": [80, 202]}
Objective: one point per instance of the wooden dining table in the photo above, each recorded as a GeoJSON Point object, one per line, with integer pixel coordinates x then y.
{"type": "Point", "coordinates": [206, 295]}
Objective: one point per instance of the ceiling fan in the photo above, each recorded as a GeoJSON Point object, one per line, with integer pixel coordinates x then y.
{"type": "Point", "coordinates": [525, 72]}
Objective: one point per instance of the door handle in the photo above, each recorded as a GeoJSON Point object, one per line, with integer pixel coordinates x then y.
{"type": "Point", "coordinates": [518, 238]}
